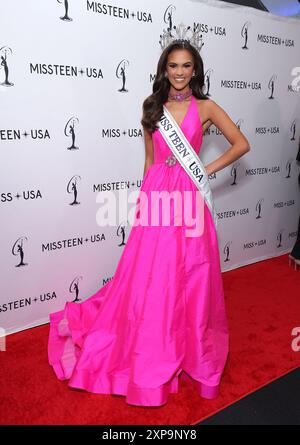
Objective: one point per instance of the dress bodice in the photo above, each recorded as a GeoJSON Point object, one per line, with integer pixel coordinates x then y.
{"type": "Point", "coordinates": [191, 126]}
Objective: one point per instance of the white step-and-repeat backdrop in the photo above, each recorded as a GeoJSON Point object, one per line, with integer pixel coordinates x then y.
{"type": "Point", "coordinates": [73, 76]}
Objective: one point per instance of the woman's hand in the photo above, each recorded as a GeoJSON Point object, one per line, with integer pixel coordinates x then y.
{"type": "Point", "coordinates": [207, 169]}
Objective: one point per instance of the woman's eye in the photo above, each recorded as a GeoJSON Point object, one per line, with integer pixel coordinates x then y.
{"type": "Point", "coordinates": [184, 66]}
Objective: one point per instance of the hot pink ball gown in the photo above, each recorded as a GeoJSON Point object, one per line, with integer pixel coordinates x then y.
{"type": "Point", "coordinates": [162, 316]}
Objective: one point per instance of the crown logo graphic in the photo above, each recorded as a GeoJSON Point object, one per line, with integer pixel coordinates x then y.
{"type": "Point", "coordinates": [181, 33]}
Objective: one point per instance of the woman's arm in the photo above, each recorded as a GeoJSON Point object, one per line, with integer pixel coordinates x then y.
{"type": "Point", "coordinates": [239, 143]}
{"type": "Point", "coordinates": [148, 150]}
{"type": "Point", "coordinates": [206, 126]}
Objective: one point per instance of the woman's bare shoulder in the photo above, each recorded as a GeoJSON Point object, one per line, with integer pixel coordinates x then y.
{"type": "Point", "coordinates": [204, 103]}
{"type": "Point", "coordinates": [203, 109]}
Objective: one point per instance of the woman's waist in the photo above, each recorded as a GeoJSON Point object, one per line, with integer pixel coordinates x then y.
{"type": "Point", "coordinates": [168, 160]}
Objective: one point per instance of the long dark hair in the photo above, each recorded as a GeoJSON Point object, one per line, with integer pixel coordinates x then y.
{"type": "Point", "coordinates": [153, 104]}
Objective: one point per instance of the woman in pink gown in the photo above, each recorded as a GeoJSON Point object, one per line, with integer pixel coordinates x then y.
{"type": "Point", "coordinates": [162, 316]}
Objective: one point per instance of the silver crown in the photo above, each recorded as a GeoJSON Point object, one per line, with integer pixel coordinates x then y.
{"type": "Point", "coordinates": [181, 33]}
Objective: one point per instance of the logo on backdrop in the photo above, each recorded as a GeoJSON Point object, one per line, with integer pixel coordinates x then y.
{"type": "Point", "coordinates": [5, 53]}
{"type": "Point", "coordinates": [118, 11]}
{"type": "Point", "coordinates": [70, 131]}
{"type": "Point", "coordinates": [74, 289]}
{"type": "Point", "coordinates": [244, 34]}
{"type": "Point", "coordinates": [168, 18]}
{"type": "Point", "coordinates": [279, 238]}
{"type": "Point", "coordinates": [66, 243]}
{"type": "Point", "coordinates": [226, 251]}
{"type": "Point", "coordinates": [14, 135]}
{"type": "Point", "coordinates": [283, 204]}
{"type": "Point", "coordinates": [26, 195]}
{"type": "Point", "coordinates": [207, 76]}
{"type": "Point", "coordinates": [18, 250]}
{"type": "Point", "coordinates": [214, 130]}
{"type": "Point", "coordinates": [64, 70]}
{"type": "Point", "coordinates": [72, 188]}
{"type": "Point", "coordinates": [271, 86]}
{"type": "Point", "coordinates": [275, 40]}
{"type": "Point", "coordinates": [233, 172]}
{"type": "Point", "coordinates": [258, 208]}
{"type": "Point", "coordinates": [288, 168]}
{"type": "Point", "coordinates": [66, 17]}
{"type": "Point", "coordinates": [121, 74]}
{"type": "Point", "coordinates": [121, 233]}
{"type": "Point", "coordinates": [293, 130]}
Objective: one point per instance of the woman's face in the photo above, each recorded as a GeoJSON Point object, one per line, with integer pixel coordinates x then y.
{"type": "Point", "coordinates": [180, 67]}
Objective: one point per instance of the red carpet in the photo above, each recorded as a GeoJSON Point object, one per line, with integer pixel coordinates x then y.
{"type": "Point", "coordinates": [263, 306]}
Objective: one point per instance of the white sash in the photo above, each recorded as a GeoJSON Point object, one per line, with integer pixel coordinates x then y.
{"type": "Point", "coordinates": [186, 156]}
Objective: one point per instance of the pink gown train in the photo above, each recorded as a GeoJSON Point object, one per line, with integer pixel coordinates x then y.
{"type": "Point", "coordinates": [162, 316]}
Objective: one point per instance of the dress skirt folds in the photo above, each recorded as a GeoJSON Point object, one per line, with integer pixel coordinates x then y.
{"type": "Point", "coordinates": [162, 316]}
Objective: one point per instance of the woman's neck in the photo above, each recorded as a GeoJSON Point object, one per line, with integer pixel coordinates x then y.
{"type": "Point", "coordinates": [179, 96]}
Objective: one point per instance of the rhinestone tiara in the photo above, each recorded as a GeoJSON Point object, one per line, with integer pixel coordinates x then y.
{"type": "Point", "coordinates": [181, 33]}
